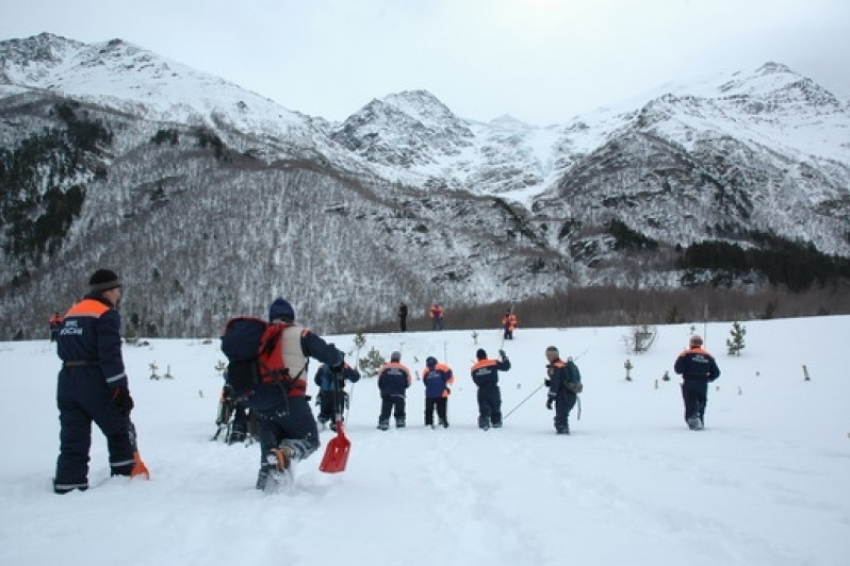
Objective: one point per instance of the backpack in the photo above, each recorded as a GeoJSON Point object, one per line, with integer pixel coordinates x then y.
{"type": "Point", "coordinates": [573, 378]}
{"type": "Point", "coordinates": [253, 350]}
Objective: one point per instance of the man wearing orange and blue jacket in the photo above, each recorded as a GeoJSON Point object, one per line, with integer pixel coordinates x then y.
{"type": "Point", "coordinates": [697, 368]}
{"type": "Point", "coordinates": [92, 386]}
{"type": "Point", "coordinates": [485, 374]}
{"type": "Point", "coordinates": [559, 395]}
{"type": "Point", "coordinates": [393, 381]}
{"type": "Point", "coordinates": [437, 377]}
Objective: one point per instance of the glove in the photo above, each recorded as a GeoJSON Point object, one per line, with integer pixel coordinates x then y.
{"type": "Point", "coordinates": [122, 401]}
{"type": "Point", "coordinates": [549, 402]}
{"type": "Point", "coordinates": [547, 382]}
{"type": "Point", "coordinates": [502, 354]}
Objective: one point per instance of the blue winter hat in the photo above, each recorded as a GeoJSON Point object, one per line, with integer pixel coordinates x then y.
{"type": "Point", "coordinates": [431, 361]}
{"type": "Point", "coordinates": [281, 310]}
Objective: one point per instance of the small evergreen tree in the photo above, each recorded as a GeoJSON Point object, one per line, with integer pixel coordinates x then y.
{"type": "Point", "coordinates": [373, 361]}
{"type": "Point", "coordinates": [735, 343]}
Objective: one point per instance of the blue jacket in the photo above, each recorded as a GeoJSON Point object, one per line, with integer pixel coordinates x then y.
{"type": "Point", "coordinates": [558, 378]}
{"type": "Point", "coordinates": [325, 380]}
{"type": "Point", "coordinates": [485, 373]}
{"type": "Point", "coordinates": [393, 379]}
{"type": "Point", "coordinates": [696, 364]}
{"type": "Point", "coordinates": [89, 345]}
{"type": "Point", "coordinates": [437, 380]}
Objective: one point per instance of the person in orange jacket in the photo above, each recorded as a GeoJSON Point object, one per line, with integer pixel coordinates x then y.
{"type": "Point", "coordinates": [437, 377]}
{"type": "Point", "coordinates": [55, 322]}
{"type": "Point", "coordinates": [509, 323]}
{"type": "Point", "coordinates": [436, 313]}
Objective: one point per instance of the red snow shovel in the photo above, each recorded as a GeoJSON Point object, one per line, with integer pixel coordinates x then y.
{"type": "Point", "coordinates": [336, 454]}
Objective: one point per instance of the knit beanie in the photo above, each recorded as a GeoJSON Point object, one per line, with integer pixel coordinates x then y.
{"type": "Point", "coordinates": [103, 280]}
{"type": "Point", "coordinates": [481, 354]}
{"type": "Point", "coordinates": [281, 310]}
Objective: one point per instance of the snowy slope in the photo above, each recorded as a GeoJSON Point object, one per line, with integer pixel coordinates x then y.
{"type": "Point", "coordinates": [765, 484]}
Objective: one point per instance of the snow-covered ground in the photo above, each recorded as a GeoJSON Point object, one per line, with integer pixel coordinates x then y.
{"type": "Point", "coordinates": [765, 484]}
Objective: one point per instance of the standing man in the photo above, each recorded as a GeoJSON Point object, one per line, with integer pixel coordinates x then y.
{"type": "Point", "coordinates": [93, 387]}
{"type": "Point", "coordinates": [485, 374]}
{"type": "Point", "coordinates": [509, 323]}
{"type": "Point", "coordinates": [437, 377]}
{"type": "Point", "coordinates": [402, 316]}
{"type": "Point", "coordinates": [436, 313]}
{"type": "Point", "coordinates": [55, 322]}
{"type": "Point", "coordinates": [697, 368]}
{"type": "Point", "coordinates": [393, 381]}
{"type": "Point", "coordinates": [560, 395]}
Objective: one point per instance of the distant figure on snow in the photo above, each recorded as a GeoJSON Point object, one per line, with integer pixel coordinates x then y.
{"type": "Point", "coordinates": [697, 368]}
{"type": "Point", "coordinates": [436, 313]}
{"type": "Point", "coordinates": [55, 322]}
{"type": "Point", "coordinates": [402, 316]}
{"type": "Point", "coordinates": [509, 324]}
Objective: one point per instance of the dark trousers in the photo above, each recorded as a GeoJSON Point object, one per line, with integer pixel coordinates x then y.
{"type": "Point", "coordinates": [331, 404]}
{"type": "Point", "coordinates": [75, 418]}
{"type": "Point", "coordinates": [564, 403]}
{"type": "Point", "coordinates": [403, 324]}
{"type": "Point", "coordinates": [439, 403]}
{"type": "Point", "coordinates": [392, 405]}
{"type": "Point", "coordinates": [489, 406]}
{"type": "Point", "coordinates": [294, 427]}
{"type": "Point", "coordinates": [695, 395]}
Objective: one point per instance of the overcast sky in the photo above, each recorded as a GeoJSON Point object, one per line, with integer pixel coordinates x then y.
{"type": "Point", "coordinates": [541, 61]}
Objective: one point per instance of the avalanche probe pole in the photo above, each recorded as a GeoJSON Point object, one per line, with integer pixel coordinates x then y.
{"type": "Point", "coordinates": [530, 395]}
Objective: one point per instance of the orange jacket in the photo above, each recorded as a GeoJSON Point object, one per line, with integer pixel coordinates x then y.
{"type": "Point", "coordinates": [509, 321]}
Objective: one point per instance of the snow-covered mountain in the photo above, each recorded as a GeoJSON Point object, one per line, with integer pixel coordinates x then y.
{"type": "Point", "coordinates": [211, 199]}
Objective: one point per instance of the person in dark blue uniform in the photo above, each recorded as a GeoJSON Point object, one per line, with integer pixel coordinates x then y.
{"type": "Point", "coordinates": [559, 394]}
{"type": "Point", "coordinates": [697, 368]}
{"type": "Point", "coordinates": [393, 382]}
{"type": "Point", "coordinates": [485, 374]}
{"type": "Point", "coordinates": [288, 430]}
{"type": "Point", "coordinates": [92, 385]}
{"type": "Point", "coordinates": [332, 398]}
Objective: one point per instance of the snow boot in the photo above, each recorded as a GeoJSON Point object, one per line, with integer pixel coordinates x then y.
{"type": "Point", "coordinates": [399, 423]}
{"type": "Point", "coordinates": [276, 471]}
{"type": "Point", "coordinates": [694, 423]}
{"type": "Point", "coordinates": [383, 425]}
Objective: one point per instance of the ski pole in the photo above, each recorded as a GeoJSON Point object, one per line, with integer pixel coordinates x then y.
{"type": "Point", "coordinates": [523, 401]}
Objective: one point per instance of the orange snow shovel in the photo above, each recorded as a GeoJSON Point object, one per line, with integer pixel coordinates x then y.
{"type": "Point", "coordinates": [336, 454]}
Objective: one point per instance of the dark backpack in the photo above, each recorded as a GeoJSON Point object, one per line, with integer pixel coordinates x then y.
{"type": "Point", "coordinates": [253, 350]}
{"type": "Point", "coordinates": [573, 378]}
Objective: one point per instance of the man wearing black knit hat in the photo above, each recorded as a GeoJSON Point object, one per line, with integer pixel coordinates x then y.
{"type": "Point", "coordinates": [93, 386]}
